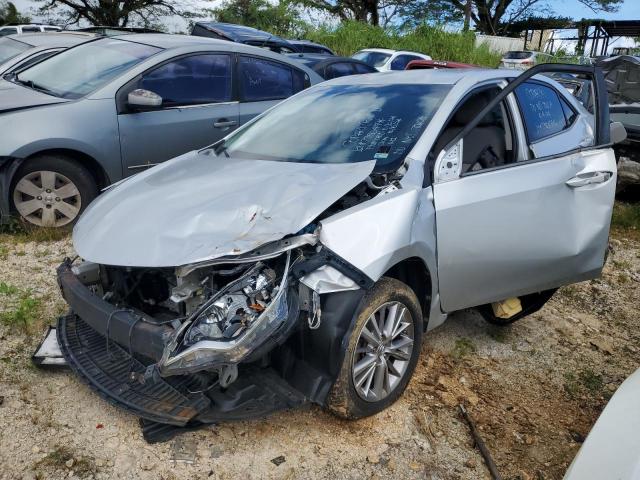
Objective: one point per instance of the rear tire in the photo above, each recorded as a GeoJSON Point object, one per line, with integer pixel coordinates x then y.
{"type": "Point", "coordinates": [52, 191]}
{"type": "Point", "coordinates": [382, 354]}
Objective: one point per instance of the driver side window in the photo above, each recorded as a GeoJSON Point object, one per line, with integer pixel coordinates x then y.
{"type": "Point", "coordinates": [491, 143]}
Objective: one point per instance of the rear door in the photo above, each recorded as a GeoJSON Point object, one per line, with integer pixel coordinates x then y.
{"type": "Point", "coordinates": [199, 107]}
{"type": "Point", "coordinates": [264, 83]}
{"type": "Point", "coordinates": [531, 224]}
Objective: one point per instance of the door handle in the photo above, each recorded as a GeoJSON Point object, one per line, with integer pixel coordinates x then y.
{"type": "Point", "coordinates": [588, 178]}
{"type": "Point", "coordinates": [224, 123]}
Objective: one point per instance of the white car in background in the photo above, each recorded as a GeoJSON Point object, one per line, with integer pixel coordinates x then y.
{"type": "Point", "coordinates": [521, 60]}
{"type": "Point", "coordinates": [384, 60]}
{"type": "Point", "coordinates": [27, 28]}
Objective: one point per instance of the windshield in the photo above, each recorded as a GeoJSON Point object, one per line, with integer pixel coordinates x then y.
{"type": "Point", "coordinates": [518, 55]}
{"type": "Point", "coordinates": [81, 70]}
{"type": "Point", "coordinates": [341, 124]}
{"type": "Point", "coordinates": [375, 59]}
{"type": "Point", "coordinates": [10, 48]}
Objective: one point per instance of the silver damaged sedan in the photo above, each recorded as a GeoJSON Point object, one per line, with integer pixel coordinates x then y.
{"type": "Point", "coordinates": [303, 257]}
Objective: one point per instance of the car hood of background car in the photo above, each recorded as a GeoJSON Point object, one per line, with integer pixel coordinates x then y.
{"type": "Point", "coordinates": [201, 206]}
{"type": "Point", "coordinates": [17, 97]}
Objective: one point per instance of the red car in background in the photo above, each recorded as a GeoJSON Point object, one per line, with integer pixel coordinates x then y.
{"type": "Point", "coordinates": [428, 64]}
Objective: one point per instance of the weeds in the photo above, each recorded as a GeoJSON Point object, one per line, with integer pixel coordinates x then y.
{"type": "Point", "coordinates": [349, 37]}
{"type": "Point", "coordinates": [463, 347]}
{"type": "Point", "coordinates": [24, 313]}
{"type": "Point", "coordinates": [7, 289]}
{"type": "Point", "coordinates": [626, 218]}
{"type": "Point", "coordinates": [62, 457]}
{"type": "Point", "coordinates": [586, 380]}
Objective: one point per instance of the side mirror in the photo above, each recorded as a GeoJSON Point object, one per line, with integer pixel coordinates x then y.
{"type": "Point", "coordinates": [449, 163]}
{"type": "Point", "coordinates": [140, 99]}
{"type": "Point", "coordinates": [618, 132]}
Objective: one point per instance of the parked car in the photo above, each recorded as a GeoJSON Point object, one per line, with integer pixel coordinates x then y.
{"type": "Point", "coordinates": [21, 51]}
{"type": "Point", "coordinates": [303, 257]}
{"type": "Point", "coordinates": [384, 59]}
{"type": "Point", "coordinates": [96, 113]}
{"type": "Point", "coordinates": [329, 67]}
{"type": "Point", "coordinates": [19, 29]}
{"type": "Point", "coordinates": [307, 46]}
{"type": "Point", "coordinates": [612, 449]}
{"type": "Point", "coordinates": [435, 64]}
{"type": "Point", "coordinates": [621, 77]}
{"type": "Point", "coordinates": [242, 34]}
{"type": "Point", "coordinates": [522, 59]}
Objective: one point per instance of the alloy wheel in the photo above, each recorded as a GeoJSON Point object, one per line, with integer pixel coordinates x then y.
{"type": "Point", "coordinates": [383, 350]}
{"type": "Point", "coordinates": [47, 199]}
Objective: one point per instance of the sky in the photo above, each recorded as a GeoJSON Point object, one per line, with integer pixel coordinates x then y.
{"type": "Point", "coordinates": [630, 10]}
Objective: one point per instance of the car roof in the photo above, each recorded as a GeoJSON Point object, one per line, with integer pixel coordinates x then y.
{"type": "Point", "coordinates": [434, 76]}
{"type": "Point", "coordinates": [241, 33]}
{"type": "Point", "coordinates": [52, 39]}
{"type": "Point", "coordinates": [167, 40]}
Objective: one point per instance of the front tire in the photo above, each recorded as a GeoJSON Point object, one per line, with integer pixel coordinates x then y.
{"type": "Point", "coordinates": [382, 354]}
{"type": "Point", "coordinates": [52, 191]}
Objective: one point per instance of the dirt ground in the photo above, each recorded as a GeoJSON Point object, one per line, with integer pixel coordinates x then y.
{"type": "Point", "coordinates": [534, 389]}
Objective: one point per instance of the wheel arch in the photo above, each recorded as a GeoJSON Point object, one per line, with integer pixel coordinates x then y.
{"type": "Point", "coordinates": [87, 161]}
{"type": "Point", "coordinates": [415, 273]}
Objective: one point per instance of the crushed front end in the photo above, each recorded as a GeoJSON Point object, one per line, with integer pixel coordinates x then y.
{"type": "Point", "coordinates": [222, 340]}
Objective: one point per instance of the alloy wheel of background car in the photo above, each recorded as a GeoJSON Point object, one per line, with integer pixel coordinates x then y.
{"type": "Point", "coordinates": [383, 350]}
{"type": "Point", "coordinates": [47, 199]}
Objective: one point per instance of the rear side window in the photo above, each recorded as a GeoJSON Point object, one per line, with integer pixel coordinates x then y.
{"type": "Point", "coordinates": [198, 79]}
{"type": "Point", "coordinates": [8, 31]}
{"type": "Point", "coordinates": [543, 111]}
{"type": "Point", "coordinates": [262, 79]}
{"type": "Point", "coordinates": [401, 61]}
{"type": "Point", "coordinates": [30, 29]}
{"type": "Point", "coordinates": [335, 70]}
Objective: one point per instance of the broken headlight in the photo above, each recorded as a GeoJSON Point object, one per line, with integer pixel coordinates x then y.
{"type": "Point", "coordinates": [233, 323]}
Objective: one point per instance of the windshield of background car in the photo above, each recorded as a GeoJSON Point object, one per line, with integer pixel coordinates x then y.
{"type": "Point", "coordinates": [375, 59]}
{"type": "Point", "coordinates": [517, 55]}
{"type": "Point", "coordinates": [10, 48]}
{"type": "Point", "coordinates": [81, 70]}
{"type": "Point", "coordinates": [341, 124]}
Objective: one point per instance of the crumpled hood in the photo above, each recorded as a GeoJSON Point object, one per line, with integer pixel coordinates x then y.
{"type": "Point", "coordinates": [18, 97]}
{"type": "Point", "coordinates": [200, 206]}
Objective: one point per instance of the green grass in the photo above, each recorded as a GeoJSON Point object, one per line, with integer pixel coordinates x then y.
{"type": "Point", "coordinates": [626, 216]}
{"type": "Point", "coordinates": [463, 347]}
{"type": "Point", "coordinates": [7, 289]}
{"type": "Point", "coordinates": [349, 37]}
{"type": "Point", "coordinates": [586, 381]}
{"type": "Point", "coordinates": [24, 313]}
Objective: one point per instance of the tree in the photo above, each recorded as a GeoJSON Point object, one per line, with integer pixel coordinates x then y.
{"type": "Point", "coordinates": [281, 18]}
{"type": "Point", "coordinates": [10, 14]}
{"type": "Point", "coordinates": [113, 13]}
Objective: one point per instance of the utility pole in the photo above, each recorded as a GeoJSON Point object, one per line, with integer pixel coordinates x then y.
{"type": "Point", "coordinates": [467, 15]}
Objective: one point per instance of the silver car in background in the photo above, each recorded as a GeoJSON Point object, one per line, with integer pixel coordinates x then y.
{"type": "Point", "coordinates": [21, 51]}
{"type": "Point", "coordinates": [302, 257]}
{"type": "Point", "coordinates": [111, 107]}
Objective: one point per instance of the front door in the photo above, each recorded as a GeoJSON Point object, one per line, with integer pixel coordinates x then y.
{"type": "Point", "coordinates": [525, 225]}
{"type": "Point", "coordinates": [198, 109]}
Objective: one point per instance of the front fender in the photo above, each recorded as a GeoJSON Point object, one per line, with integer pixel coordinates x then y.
{"type": "Point", "coordinates": [378, 234]}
